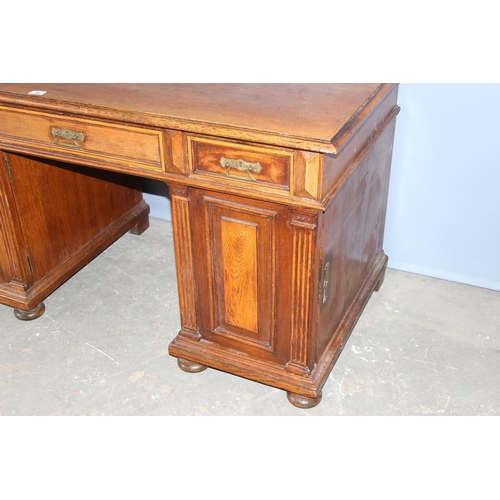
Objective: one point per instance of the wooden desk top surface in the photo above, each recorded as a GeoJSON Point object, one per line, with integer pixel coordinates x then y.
{"type": "Point", "coordinates": [317, 117]}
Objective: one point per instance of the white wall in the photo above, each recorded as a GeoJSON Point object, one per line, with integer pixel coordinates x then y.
{"type": "Point", "coordinates": [443, 215]}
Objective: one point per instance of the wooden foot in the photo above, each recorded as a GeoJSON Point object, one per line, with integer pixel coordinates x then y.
{"type": "Point", "coordinates": [301, 401]}
{"type": "Point", "coordinates": [141, 226]}
{"type": "Point", "coordinates": [34, 313]}
{"type": "Point", "coordinates": [190, 366]}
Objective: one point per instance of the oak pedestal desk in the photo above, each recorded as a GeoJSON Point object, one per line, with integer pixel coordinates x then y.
{"type": "Point", "coordinates": [278, 195]}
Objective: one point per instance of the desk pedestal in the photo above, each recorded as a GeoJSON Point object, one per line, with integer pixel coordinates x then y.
{"type": "Point", "coordinates": [272, 291]}
{"type": "Point", "coordinates": [54, 219]}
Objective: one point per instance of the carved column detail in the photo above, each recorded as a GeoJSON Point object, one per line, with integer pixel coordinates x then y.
{"type": "Point", "coordinates": [184, 258]}
{"type": "Point", "coordinates": [303, 227]}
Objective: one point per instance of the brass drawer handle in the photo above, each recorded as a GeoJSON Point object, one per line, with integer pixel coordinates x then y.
{"type": "Point", "coordinates": [241, 165]}
{"type": "Point", "coordinates": [71, 137]}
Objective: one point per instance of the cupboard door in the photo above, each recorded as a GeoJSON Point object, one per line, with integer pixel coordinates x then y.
{"type": "Point", "coordinates": [236, 268]}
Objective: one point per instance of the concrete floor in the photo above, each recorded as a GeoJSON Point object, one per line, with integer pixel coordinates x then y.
{"type": "Point", "coordinates": [422, 347]}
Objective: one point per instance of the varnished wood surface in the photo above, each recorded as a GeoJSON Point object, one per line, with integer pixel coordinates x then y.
{"type": "Point", "coordinates": [55, 218]}
{"type": "Point", "coordinates": [109, 142]}
{"type": "Point", "coordinates": [321, 117]}
{"type": "Point", "coordinates": [274, 165]}
{"type": "Point", "coordinates": [237, 246]}
{"type": "Point", "coordinates": [273, 269]}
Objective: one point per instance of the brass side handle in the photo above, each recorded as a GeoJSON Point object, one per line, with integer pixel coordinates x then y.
{"type": "Point", "coordinates": [325, 282]}
{"type": "Point", "coordinates": [69, 138]}
{"type": "Point", "coordinates": [242, 166]}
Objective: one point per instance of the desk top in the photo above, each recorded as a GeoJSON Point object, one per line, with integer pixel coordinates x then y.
{"type": "Point", "coordinates": [316, 117]}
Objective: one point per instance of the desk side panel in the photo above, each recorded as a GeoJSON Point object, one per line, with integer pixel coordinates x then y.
{"type": "Point", "coordinates": [353, 234]}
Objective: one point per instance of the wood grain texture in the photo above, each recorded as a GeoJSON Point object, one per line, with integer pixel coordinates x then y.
{"type": "Point", "coordinates": [251, 253]}
{"type": "Point", "coordinates": [321, 117]}
{"type": "Point", "coordinates": [358, 215]}
{"type": "Point", "coordinates": [235, 266]}
{"type": "Point", "coordinates": [239, 262]}
{"type": "Point", "coordinates": [275, 166]}
{"type": "Point", "coordinates": [184, 259]}
{"type": "Point", "coordinates": [58, 217]}
{"type": "Point", "coordinates": [276, 374]}
{"type": "Point", "coordinates": [111, 143]}
{"type": "Point", "coordinates": [16, 275]}
{"type": "Point", "coordinates": [175, 152]}
{"type": "Point", "coordinates": [304, 237]}
{"type": "Point", "coordinates": [345, 236]}
{"type": "Point", "coordinates": [308, 175]}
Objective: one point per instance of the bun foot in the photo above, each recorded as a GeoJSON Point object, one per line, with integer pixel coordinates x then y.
{"type": "Point", "coordinates": [301, 401]}
{"type": "Point", "coordinates": [34, 313]}
{"type": "Point", "coordinates": [190, 366]}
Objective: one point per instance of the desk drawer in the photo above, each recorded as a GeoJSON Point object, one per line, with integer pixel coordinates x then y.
{"type": "Point", "coordinates": [88, 139]}
{"type": "Point", "coordinates": [240, 164]}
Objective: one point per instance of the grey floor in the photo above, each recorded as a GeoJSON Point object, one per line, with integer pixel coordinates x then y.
{"type": "Point", "coordinates": [422, 347]}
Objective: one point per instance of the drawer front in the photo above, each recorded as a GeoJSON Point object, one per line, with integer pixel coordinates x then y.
{"type": "Point", "coordinates": [110, 143]}
{"type": "Point", "coordinates": [240, 164]}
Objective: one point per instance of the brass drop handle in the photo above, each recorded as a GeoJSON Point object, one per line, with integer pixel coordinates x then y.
{"type": "Point", "coordinates": [72, 138]}
{"type": "Point", "coordinates": [242, 166]}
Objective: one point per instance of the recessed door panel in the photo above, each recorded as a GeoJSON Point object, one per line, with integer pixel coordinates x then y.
{"type": "Point", "coordinates": [236, 269]}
